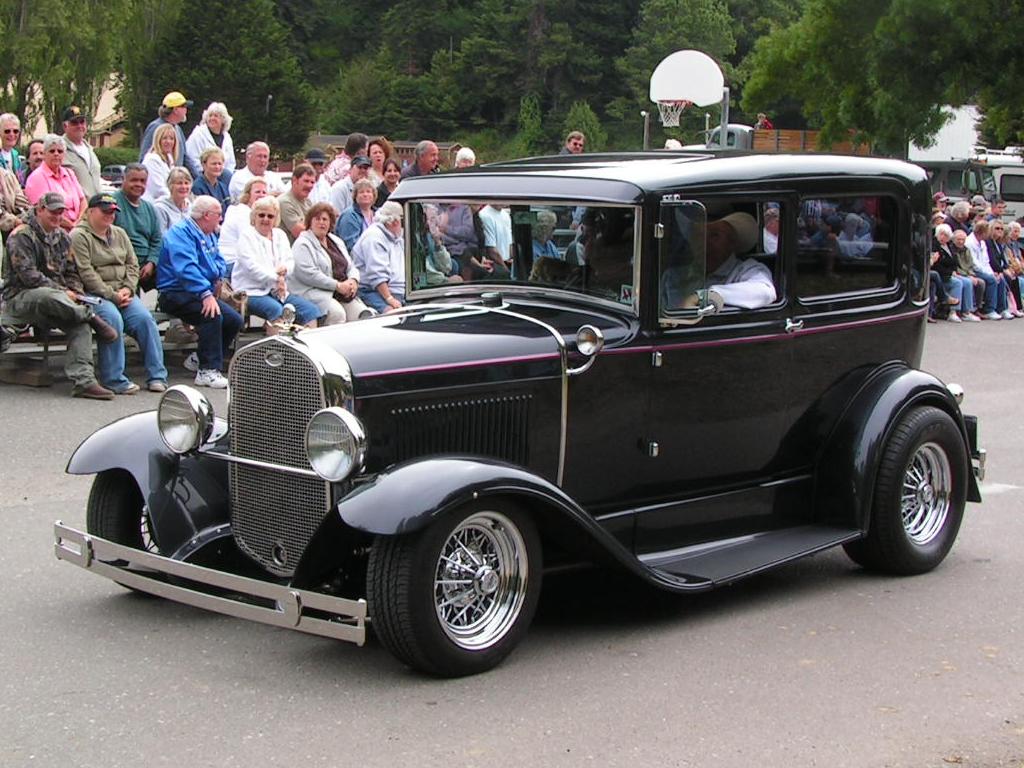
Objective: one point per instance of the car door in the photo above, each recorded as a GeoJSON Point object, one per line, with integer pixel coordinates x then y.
{"type": "Point", "coordinates": [718, 393]}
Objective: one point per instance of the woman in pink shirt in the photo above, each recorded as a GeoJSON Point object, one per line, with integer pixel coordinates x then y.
{"type": "Point", "coordinates": [52, 176]}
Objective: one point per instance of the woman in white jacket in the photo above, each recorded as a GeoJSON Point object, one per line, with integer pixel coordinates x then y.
{"type": "Point", "coordinates": [236, 220]}
{"type": "Point", "coordinates": [263, 266]}
{"type": "Point", "coordinates": [212, 131]}
{"type": "Point", "coordinates": [324, 273]}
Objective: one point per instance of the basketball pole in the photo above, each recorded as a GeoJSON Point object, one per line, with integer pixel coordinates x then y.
{"type": "Point", "coordinates": [647, 129]}
{"type": "Point", "coordinates": [724, 138]}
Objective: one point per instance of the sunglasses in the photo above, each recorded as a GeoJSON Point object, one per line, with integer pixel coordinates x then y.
{"type": "Point", "coordinates": [12, 130]}
{"type": "Point", "coordinates": [264, 215]}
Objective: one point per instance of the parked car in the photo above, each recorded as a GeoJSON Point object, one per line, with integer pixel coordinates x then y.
{"type": "Point", "coordinates": [688, 397]}
{"type": "Point", "coordinates": [113, 175]}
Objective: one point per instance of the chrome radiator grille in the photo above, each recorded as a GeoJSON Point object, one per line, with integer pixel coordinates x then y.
{"type": "Point", "coordinates": [496, 427]}
{"type": "Point", "coordinates": [275, 390]}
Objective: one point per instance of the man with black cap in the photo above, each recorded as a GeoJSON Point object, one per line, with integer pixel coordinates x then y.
{"type": "Point", "coordinates": [341, 193]}
{"type": "Point", "coordinates": [43, 287]}
{"type": "Point", "coordinates": [321, 189]}
{"type": "Point", "coordinates": [173, 110]}
{"type": "Point", "coordinates": [109, 270]}
{"type": "Point", "coordinates": [80, 157]}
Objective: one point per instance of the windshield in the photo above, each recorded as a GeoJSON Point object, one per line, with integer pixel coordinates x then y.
{"type": "Point", "coordinates": [581, 248]}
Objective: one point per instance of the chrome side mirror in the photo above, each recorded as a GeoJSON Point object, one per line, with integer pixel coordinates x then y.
{"type": "Point", "coordinates": [589, 341]}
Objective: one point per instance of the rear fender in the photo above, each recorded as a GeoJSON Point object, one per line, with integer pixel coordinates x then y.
{"type": "Point", "coordinates": [846, 467]}
{"type": "Point", "coordinates": [186, 495]}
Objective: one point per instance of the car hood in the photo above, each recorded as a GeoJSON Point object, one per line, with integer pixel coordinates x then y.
{"type": "Point", "coordinates": [443, 344]}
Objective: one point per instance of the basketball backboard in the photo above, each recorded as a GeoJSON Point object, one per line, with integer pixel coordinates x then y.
{"type": "Point", "coordinates": [688, 75]}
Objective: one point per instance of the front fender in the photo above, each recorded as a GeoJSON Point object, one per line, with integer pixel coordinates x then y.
{"type": "Point", "coordinates": [847, 465]}
{"type": "Point", "coordinates": [186, 495]}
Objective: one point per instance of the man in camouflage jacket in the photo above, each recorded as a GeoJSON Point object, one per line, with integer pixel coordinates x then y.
{"type": "Point", "coordinates": [43, 288]}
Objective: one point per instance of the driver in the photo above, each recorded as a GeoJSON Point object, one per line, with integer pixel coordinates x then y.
{"type": "Point", "coordinates": [730, 281]}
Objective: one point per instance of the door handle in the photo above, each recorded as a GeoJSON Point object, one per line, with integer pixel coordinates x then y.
{"type": "Point", "coordinates": [792, 326]}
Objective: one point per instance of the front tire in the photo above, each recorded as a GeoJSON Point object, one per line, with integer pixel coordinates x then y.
{"type": "Point", "coordinates": [920, 493]}
{"type": "Point", "coordinates": [116, 511]}
{"type": "Point", "coordinates": [455, 598]}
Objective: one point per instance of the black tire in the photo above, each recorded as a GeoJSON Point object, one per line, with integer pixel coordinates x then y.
{"type": "Point", "coordinates": [425, 619]}
{"type": "Point", "coordinates": [116, 511]}
{"type": "Point", "coordinates": [919, 498]}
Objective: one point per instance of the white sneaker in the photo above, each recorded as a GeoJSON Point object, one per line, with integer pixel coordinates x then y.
{"type": "Point", "coordinates": [211, 378]}
{"type": "Point", "coordinates": [992, 316]}
{"type": "Point", "coordinates": [970, 317]}
{"type": "Point", "coordinates": [191, 363]}
{"type": "Point", "coordinates": [1007, 315]}
{"type": "Point", "coordinates": [953, 317]}
{"type": "Point", "coordinates": [1017, 313]}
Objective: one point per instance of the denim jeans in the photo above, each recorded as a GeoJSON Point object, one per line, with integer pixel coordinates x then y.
{"type": "Point", "coordinates": [374, 300]}
{"type": "Point", "coordinates": [216, 334]}
{"type": "Point", "coordinates": [136, 321]}
{"type": "Point", "coordinates": [961, 288]}
{"type": "Point", "coordinates": [270, 307]}
{"type": "Point", "coordinates": [992, 293]}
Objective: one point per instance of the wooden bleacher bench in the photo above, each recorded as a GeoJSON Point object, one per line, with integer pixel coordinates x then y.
{"type": "Point", "coordinates": [27, 361]}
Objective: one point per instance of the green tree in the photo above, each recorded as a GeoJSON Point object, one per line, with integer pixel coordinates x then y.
{"type": "Point", "coordinates": [252, 70]}
{"type": "Point", "coordinates": [667, 26]}
{"type": "Point", "coordinates": [872, 66]}
{"type": "Point", "coordinates": [531, 137]}
{"type": "Point", "coordinates": [582, 118]}
{"type": "Point", "coordinates": [56, 54]}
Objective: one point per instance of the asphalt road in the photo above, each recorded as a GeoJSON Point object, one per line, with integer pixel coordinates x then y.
{"type": "Point", "coordinates": [815, 664]}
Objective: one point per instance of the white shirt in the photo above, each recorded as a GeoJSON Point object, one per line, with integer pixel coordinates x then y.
{"type": "Point", "coordinates": [321, 192]}
{"type": "Point", "coordinates": [159, 169]}
{"type": "Point", "coordinates": [771, 242]}
{"type": "Point", "coordinates": [200, 140]}
{"type": "Point", "coordinates": [241, 178]}
{"type": "Point", "coordinates": [746, 284]}
{"type": "Point", "coordinates": [979, 254]}
{"type": "Point", "coordinates": [341, 195]}
{"type": "Point", "coordinates": [236, 221]}
{"type": "Point", "coordinates": [497, 225]}
{"type": "Point", "coordinates": [257, 260]}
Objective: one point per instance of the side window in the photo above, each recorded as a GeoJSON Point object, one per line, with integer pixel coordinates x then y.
{"type": "Point", "coordinates": [1011, 187]}
{"type": "Point", "coordinates": [718, 256]}
{"type": "Point", "coordinates": [846, 245]}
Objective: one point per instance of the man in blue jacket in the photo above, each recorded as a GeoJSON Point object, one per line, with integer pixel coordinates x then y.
{"type": "Point", "coordinates": [188, 277]}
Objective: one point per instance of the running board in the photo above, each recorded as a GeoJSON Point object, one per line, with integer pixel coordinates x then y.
{"type": "Point", "coordinates": [720, 562]}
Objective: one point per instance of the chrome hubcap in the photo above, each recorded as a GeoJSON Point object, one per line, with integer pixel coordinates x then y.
{"type": "Point", "coordinates": [925, 496]}
{"type": "Point", "coordinates": [480, 580]}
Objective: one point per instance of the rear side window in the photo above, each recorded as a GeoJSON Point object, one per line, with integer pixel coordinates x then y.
{"type": "Point", "coordinates": [846, 245]}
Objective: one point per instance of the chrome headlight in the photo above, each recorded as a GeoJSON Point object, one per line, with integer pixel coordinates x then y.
{"type": "Point", "coordinates": [335, 444]}
{"type": "Point", "coordinates": [185, 419]}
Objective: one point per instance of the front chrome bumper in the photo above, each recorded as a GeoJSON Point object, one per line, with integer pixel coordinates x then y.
{"type": "Point", "coordinates": [281, 606]}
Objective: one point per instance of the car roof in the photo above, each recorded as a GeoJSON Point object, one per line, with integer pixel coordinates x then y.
{"type": "Point", "coordinates": [627, 178]}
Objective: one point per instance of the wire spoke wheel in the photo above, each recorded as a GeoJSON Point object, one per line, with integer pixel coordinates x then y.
{"type": "Point", "coordinates": [924, 503]}
{"type": "Point", "coordinates": [480, 579]}
{"type": "Point", "coordinates": [456, 597]}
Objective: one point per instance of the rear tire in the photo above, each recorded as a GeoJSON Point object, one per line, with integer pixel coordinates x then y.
{"type": "Point", "coordinates": [457, 597]}
{"type": "Point", "coordinates": [919, 498]}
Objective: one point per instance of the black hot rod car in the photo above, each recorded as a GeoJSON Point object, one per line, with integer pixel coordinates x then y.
{"type": "Point", "coordinates": [690, 368]}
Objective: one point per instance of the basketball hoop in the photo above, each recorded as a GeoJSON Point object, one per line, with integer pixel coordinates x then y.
{"type": "Point", "coordinates": [670, 111]}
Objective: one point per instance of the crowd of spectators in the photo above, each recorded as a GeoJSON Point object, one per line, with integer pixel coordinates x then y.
{"type": "Point", "coordinates": [199, 231]}
{"type": "Point", "coordinates": [976, 262]}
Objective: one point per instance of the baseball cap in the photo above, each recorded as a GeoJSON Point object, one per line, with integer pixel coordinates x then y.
{"type": "Point", "coordinates": [53, 201]}
{"type": "Point", "coordinates": [979, 201]}
{"type": "Point", "coordinates": [72, 114]}
{"type": "Point", "coordinates": [940, 197]}
{"type": "Point", "coordinates": [176, 99]}
{"type": "Point", "coordinates": [362, 161]}
{"type": "Point", "coordinates": [316, 155]}
{"type": "Point", "coordinates": [105, 201]}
